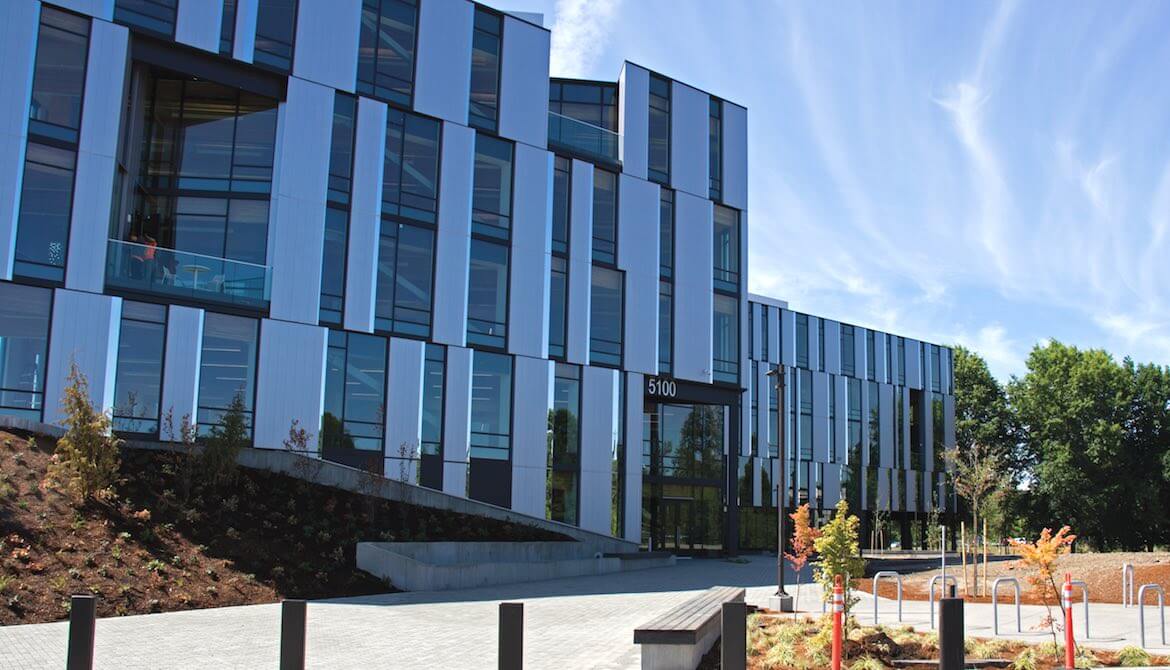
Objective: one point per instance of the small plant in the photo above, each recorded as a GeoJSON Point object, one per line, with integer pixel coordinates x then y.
{"type": "Point", "coordinates": [307, 466]}
{"type": "Point", "coordinates": [1042, 556]}
{"type": "Point", "coordinates": [224, 443]}
{"type": "Point", "coordinates": [868, 663]}
{"type": "Point", "coordinates": [804, 537]}
{"type": "Point", "coordinates": [5, 582]}
{"type": "Point", "coordinates": [182, 461]}
{"type": "Point", "coordinates": [86, 459]}
{"type": "Point", "coordinates": [1127, 657]}
{"type": "Point", "coordinates": [1025, 660]}
{"type": "Point", "coordinates": [839, 552]}
{"type": "Point", "coordinates": [155, 565]}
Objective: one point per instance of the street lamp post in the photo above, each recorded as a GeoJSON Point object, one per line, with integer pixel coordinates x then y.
{"type": "Point", "coordinates": [781, 602]}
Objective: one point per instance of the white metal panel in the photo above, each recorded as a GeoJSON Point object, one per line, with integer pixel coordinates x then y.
{"type": "Point", "coordinates": [599, 423]}
{"type": "Point", "coordinates": [18, 37]}
{"type": "Point", "coordinates": [879, 352]}
{"type": "Point", "coordinates": [886, 424]}
{"type": "Point", "coordinates": [532, 399]}
{"type": "Point", "coordinates": [633, 443]}
{"type": "Point", "coordinates": [690, 121]}
{"type": "Point", "coordinates": [365, 216]}
{"type": "Point", "coordinates": [634, 119]}
{"type": "Point", "coordinates": [638, 213]}
{"type": "Point", "coordinates": [693, 287]}
{"type": "Point", "coordinates": [580, 261]}
{"type": "Point", "coordinates": [184, 351]}
{"type": "Point", "coordinates": [883, 489]}
{"type": "Point", "coordinates": [296, 226]}
{"type": "Point", "coordinates": [531, 258]}
{"type": "Point", "coordinates": [913, 491]}
{"type": "Point", "coordinates": [84, 330]}
{"type": "Point", "coordinates": [285, 391]}
{"type": "Point", "coordinates": [327, 42]}
{"type": "Point", "coordinates": [820, 416]}
{"type": "Point", "coordinates": [832, 347]}
{"type": "Point", "coordinates": [735, 155]}
{"type": "Point", "coordinates": [787, 343]}
{"type": "Point", "coordinates": [524, 83]}
{"type": "Point", "coordinates": [93, 185]}
{"type": "Point", "coordinates": [913, 364]}
{"type": "Point", "coordinates": [99, 9]}
{"type": "Point", "coordinates": [244, 41]}
{"type": "Point", "coordinates": [442, 80]}
{"type": "Point", "coordinates": [859, 352]}
{"type": "Point", "coordinates": [404, 386]}
{"type": "Point", "coordinates": [198, 23]}
{"type": "Point", "coordinates": [773, 334]}
{"type": "Point", "coordinates": [457, 421]}
{"type": "Point", "coordinates": [453, 243]}
{"type": "Point", "coordinates": [832, 485]}
{"type": "Point", "coordinates": [814, 343]}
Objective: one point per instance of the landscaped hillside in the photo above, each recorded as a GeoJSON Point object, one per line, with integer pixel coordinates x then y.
{"type": "Point", "coordinates": [155, 547]}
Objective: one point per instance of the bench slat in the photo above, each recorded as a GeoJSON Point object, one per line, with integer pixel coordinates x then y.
{"type": "Point", "coordinates": [688, 621]}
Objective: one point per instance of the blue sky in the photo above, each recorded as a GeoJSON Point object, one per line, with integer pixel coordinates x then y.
{"type": "Point", "coordinates": [991, 174]}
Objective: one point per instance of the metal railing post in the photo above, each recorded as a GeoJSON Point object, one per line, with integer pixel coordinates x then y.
{"type": "Point", "coordinates": [292, 634]}
{"type": "Point", "coordinates": [733, 648]}
{"type": "Point", "coordinates": [876, 577]}
{"type": "Point", "coordinates": [511, 636]}
{"type": "Point", "coordinates": [994, 603]}
{"type": "Point", "coordinates": [82, 621]}
{"type": "Point", "coordinates": [946, 579]}
{"type": "Point", "coordinates": [1141, 604]}
{"type": "Point", "coordinates": [1127, 573]}
{"type": "Point", "coordinates": [1084, 601]}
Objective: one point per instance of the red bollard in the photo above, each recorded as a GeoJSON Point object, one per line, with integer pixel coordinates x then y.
{"type": "Point", "coordinates": [838, 615]}
{"type": "Point", "coordinates": [1069, 646]}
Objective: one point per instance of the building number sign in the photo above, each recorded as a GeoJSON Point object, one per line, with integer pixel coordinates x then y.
{"type": "Point", "coordinates": [662, 388]}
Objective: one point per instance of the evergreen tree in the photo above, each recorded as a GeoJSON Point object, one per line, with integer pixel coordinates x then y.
{"type": "Point", "coordinates": [86, 459]}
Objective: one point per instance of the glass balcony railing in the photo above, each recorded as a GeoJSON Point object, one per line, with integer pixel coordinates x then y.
{"type": "Point", "coordinates": [585, 138]}
{"type": "Point", "coordinates": [183, 274]}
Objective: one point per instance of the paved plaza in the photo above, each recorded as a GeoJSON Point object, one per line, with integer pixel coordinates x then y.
{"type": "Point", "coordinates": [580, 622]}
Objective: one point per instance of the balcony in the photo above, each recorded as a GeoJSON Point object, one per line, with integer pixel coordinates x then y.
{"type": "Point", "coordinates": [585, 139]}
{"type": "Point", "coordinates": [189, 276]}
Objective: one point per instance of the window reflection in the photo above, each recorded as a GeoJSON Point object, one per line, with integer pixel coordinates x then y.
{"type": "Point", "coordinates": [725, 345]}
{"type": "Point", "coordinates": [24, 336]}
{"type": "Point", "coordinates": [604, 216]}
{"type": "Point", "coordinates": [405, 268]}
{"type": "Point", "coordinates": [138, 382]}
{"type": "Point", "coordinates": [659, 130]}
{"type": "Point", "coordinates": [605, 317]}
{"type": "Point", "coordinates": [227, 367]}
{"type": "Point", "coordinates": [487, 294]}
{"type": "Point", "coordinates": [564, 445]}
{"type": "Point", "coordinates": [275, 26]}
{"type": "Point", "coordinates": [386, 51]}
{"type": "Point", "coordinates": [352, 427]}
{"type": "Point", "coordinates": [491, 203]}
{"type": "Point", "coordinates": [485, 69]}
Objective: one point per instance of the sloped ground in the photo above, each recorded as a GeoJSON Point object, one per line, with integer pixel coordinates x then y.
{"type": "Point", "coordinates": [154, 549]}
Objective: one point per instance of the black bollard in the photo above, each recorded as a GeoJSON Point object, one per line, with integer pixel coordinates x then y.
{"type": "Point", "coordinates": [82, 619]}
{"type": "Point", "coordinates": [951, 655]}
{"type": "Point", "coordinates": [511, 636]}
{"type": "Point", "coordinates": [292, 635]}
{"type": "Point", "coordinates": [733, 648]}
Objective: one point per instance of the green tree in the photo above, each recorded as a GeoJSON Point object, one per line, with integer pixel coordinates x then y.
{"type": "Point", "coordinates": [982, 413]}
{"type": "Point", "coordinates": [839, 551]}
{"type": "Point", "coordinates": [86, 459]}
{"type": "Point", "coordinates": [224, 443]}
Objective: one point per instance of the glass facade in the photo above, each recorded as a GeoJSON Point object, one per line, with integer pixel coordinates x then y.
{"type": "Point", "coordinates": [683, 473]}
{"type": "Point", "coordinates": [605, 317]}
{"type": "Point", "coordinates": [276, 25]}
{"type": "Point", "coordinates": [715, 149]}
{"type": "Point", "coordinates": [335, 248]}
{"type": "Point", "coordinates": [486, 43]}
{"type": "Point", "coordinates": [24, 345]}
{"type": "Point", "coordinates": [138, 381]}
{"type": "Point", "coordinates": [434, 376]}
{"type": "Point", "coordinates": [386, 50]}
{"type": "Point", "coordinates": [659, 130]}
{"type": "Point", "coordinates": [848, 351]}
{"type": "Point", "coordinates": [227, 27]}
{"type": "Point", "coordinates": [562, 187]}
{"type": "Point", "coordinates": [405, 279]}
{"type": "Point", "coordinates": [487, 295]}
{"type": "Point", "coordinates": [564, 445]}
{"type": "Point", "coordinates": [410, 173]}
{"type": "Point", "coordinates": [665, 281]}
{"type": "Point", "coordinates": [491, 201]}
{"type": "Point", "coordinates": [725, 340]}
{"type": "Point", "coordinates": [154, 16]}
{"type": "Point", "coordinates": [801, 340]}
{"type": "Point", "coordinates": [604, 217]}
{"type": "Point", "coordinates": [583, 119]}
{"type": "Point", "coordinates": [490, 476]}
{"type": "Point", "coordinates": [353, 425]}
{"type": "Point", "coordinates": [726, 246]}
{"type": "Point", "coordinates": [227, 367]}
{"type": "Point", "coordinates": [558, 307]}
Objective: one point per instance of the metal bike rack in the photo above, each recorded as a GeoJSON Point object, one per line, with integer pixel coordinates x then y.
{"type": "Point", "coordinates": [934, 580]}
{"type": "Point", "coordinates": [876, 577]}
{"type": "Point", "coordinates": [1084, 601]}
{"type": "Point", "coordinates": [1127, 585]}
{"type": "Point", "coordinates": [994, 601]}
{"type": "Point", "coordinates": [1141, 603]}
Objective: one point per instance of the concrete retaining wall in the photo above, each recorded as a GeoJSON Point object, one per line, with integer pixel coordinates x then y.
{"type": "Point", "coordinates": [441, 566]}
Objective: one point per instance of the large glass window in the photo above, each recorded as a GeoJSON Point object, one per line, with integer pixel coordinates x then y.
{"type": "Point", "coordinates": [386, 52]}
{"type": "Point", "coordinates": [764, 353]}
{"type": "Point", "coordinates": [490, 476]}
{"type": "Point", "coordinates": [605, 317]}
{"type": "Point", "coordinates": [801, 340]}
{"type": "Point", "coordinates": [900, 360]}
{"type": "Point", "coordinates": [564, 438]}
{"type": "Point", "coordinates": [917, 430]}
{"type": "Point", "coordinates": [583, 118]}
{"type": "Point", "coordinates": [333, 265]}
{"type": "Point", "coordinates": [54, 121]}
{"type": "Point", "coordinates": [410, 175]}
{"type": "Point", "coordinates": [715, 148]}
{"type": "Point", "coordinates": [617, 462]}
{"type": "Point", "coordinates": [726, 245]}
{"type": "Point", "coordinates": [666, 232]}
{"type": "Point", "coordinates": [352, 427]}
{"type": "Point", "coordinates": [804, 451]}
{"type": "Point", "coordinates": [659, 130]}
{"type": "Point", "coordinates": [558, 301]}
{"type": "Point", "coordinates": [341, 148]}
{"type": "Point", "coordinates": [487, 295]}
{"type": "Point", "coordinates": [491, 203]}
{"type": "Point", "coordinates": [773, 419]}
{"type": "Point", "coordinates": [665, 327]}
{"type": "Point", "coordinates": [334, 253]}
{"type": "Point", "coordinates": [725, 345]}
{"type": "Point", "coordinates": [138, 382]}
{"type": "Point", "coordinates": [227, 28]}
{"type": "Point", "coordinates": [405, 279]}
{"type": "Point", "coordinates": [875, 426]}
{"type": "Point", "coordinates": [434, 368]}
{"type": "Point", "coordinates": [604, 216]}
{"type": "Point", "coordinates": [848, 351]}
{"type": "Point", "coordinates": [227, 368]}
{"type": "Point", "coordinates": [832, 456]}
{"type": "Point", "coordinates": [276, 24]}
{"type": "Point", "coordinates": [483, 111]}
{"type": "Point", "coordinates": [562, 184]}
{"type": "Point", "coordinates": [156, 16]}
{"type": "Point", "coordinates": [24, 337]}
{"type": "Point", "coordinates": [870, 355]}
{"type": "Point", "coordinates": [935, 368]}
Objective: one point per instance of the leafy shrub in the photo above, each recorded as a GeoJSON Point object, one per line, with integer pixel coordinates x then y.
{"type": "Point", "coordinates": [1025, 660]}
{"type": "Point", "coordinates": [86, 460]}
{"type": "Point", "coordinates": [1133, 657]}
{"type": "Point", "coordinates": [839, 552]}
{"type": "Point", "coordinates": [868, 663]}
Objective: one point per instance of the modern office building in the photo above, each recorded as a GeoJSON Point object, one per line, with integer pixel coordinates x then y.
{"type": "Point", "coordinates": [382, 220]}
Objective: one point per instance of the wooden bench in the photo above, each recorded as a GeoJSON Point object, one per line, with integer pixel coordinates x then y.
{"type": "Point", "coordinates": [681, 636]}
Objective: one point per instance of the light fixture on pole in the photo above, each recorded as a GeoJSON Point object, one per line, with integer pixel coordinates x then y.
{"type": "Point", "coordinates": [781, 602]}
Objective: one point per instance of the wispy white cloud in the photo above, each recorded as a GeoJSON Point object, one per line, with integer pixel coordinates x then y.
{"type": "Point", "coordinates": [579, 33]}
